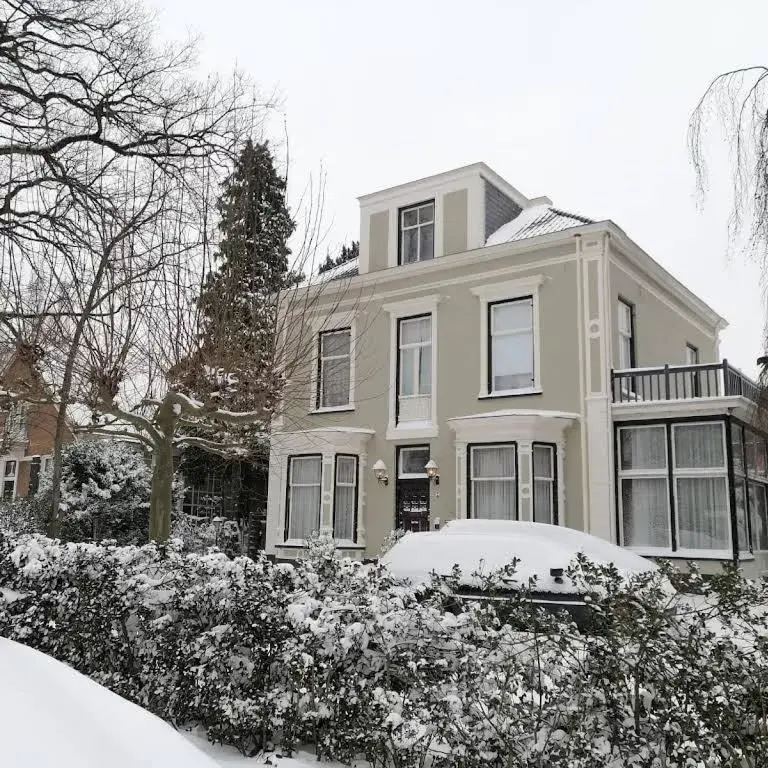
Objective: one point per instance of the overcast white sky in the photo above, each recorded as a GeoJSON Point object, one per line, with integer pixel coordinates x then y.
{"type": "Point", "coordinates": [586, 102]}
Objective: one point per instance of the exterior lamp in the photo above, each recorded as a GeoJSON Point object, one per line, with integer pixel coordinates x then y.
{"type": "Point", "coordinates": [433, 471]}
{"type": "Point", "coordinates": [380, 472]}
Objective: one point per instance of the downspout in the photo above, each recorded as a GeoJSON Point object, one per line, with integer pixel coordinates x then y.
{"type": "Point", "coordinates": [586, 514]}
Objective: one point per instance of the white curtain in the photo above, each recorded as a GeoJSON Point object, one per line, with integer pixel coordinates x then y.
{"type": "Point", "coordinates": [702, 513]}
{"type": "Point", "coordinates": [543, 484]}
{"type": "Point", "coordinates": [494, 485]}
{"type": "Point", "coordinates": [741, 515]}
{"type": "Point", "coordinates": [699, 446]}
{"type": "Point", "coordinates": [335, 386]}
{"type": "Point", "coordinates": [645, 512]}
{"type": "Point", "coordinates": [643, 448]}
{"type": "Point", "coordinates": [759, 515]}
{"type": "Point", "coordinates": [416, 356]}
{"type": "Point", "coordinates": [304, 496]}
{"type": "Point", "coordinates": [512, 345]}
{"type": "Point", "coordinates": [344, 501]}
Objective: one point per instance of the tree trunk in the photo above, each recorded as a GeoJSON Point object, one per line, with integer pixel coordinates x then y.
{"type": "Point", "coordinates": [161, 496]}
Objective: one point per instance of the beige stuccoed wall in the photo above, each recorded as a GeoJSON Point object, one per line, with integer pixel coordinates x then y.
{"type": "Point", "coordinates": [661, 332]}
{"type": "Point", "coordinates": [458, 373]}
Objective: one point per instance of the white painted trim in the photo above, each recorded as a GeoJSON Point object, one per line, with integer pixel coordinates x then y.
{"type": "Point", "coordinates": [419, 306]}
{"type": "Point", "coordinates": [446, 177]}
{"type": "Point", "coordinates": [667, 409]}
{"type": "Point", "coordinates": [510, 290]}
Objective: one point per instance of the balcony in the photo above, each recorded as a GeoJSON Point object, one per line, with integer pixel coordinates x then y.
{"type": "Point", "coordinates": [698, 388]}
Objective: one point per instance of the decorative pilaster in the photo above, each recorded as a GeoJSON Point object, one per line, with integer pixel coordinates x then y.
{"type": "Point", "coordinates": [361, 480]}
{"type": "Point", "coordinates": [525, 479]}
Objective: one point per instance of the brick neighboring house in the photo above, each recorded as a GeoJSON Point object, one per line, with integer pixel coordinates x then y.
{"type": "Point", "coordinates": [26, 429]}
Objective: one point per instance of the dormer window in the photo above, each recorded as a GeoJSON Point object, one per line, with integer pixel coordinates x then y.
{"type": "Point", "coordinates": [417, 232]}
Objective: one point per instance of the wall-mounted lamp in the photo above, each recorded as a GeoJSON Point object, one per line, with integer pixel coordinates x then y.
{"type": "Point", "coordinates": [380, 472]}
{"type": "Point", "coordinates": [433, 471]}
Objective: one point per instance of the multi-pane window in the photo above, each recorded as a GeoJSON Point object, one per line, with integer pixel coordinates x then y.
{"type": "Point", "coordinates": [544, 484]}
{"type": "Point", "coordinates": [345, 498]}
{"type": "Point", "coordinates": [493, 481]}
{"type": "Point", "coordinates": [750, 474]}
{"type": "Point", "coordinates": [8, 490]}
{"type": "Point", "coordinates": [334, 369]}
{"type": "Point", "coordinates": [510, 327]}
{"type": "Point", "coordinates": [696, 467]}
{"type": "Point", "coordinates": [701, 486]}
{"type": "Point", "coordinates": [643, 487]}
{"type": "Point", "coordinates": [304, 496]}
{"type": "Point", "coordinates": [15, 426]}
{"type": "Point", "coordinates": [414, 376]}
{"type": "Point", "coordinates": [417, 233]}
{"type": "Point", "coordinates": [626, 335]}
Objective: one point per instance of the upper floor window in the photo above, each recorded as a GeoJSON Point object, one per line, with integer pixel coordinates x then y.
{"type": "Point", "coordinates": [510, 363]}
{"type": "Point", "coordinates": [626, 335]}
{"type": "Point", "coordinates": [334, 369]}
{"type": "Point", "coordinates": [8, 490]}
{"type": "Point", "coordinates": [417, 232]}
{"type": "Point", "coordinates": [414, 375]}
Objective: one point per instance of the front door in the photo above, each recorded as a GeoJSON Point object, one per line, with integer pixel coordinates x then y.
{"type": "Point", "coordinates": [412, 489]}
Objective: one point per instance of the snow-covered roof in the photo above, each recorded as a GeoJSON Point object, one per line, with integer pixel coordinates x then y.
{"type": "Point", "coordinates": [536, 220]}
{"type": "Point", "coordinates": [488, 545]}
{"type": "Point", "coordinates": [52, 715]}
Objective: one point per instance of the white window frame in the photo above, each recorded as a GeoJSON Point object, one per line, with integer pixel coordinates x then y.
{"type": "Point", "coordinates": [321, 358]}
{"type": "Point", "coordinates": [401, 347]}
{"type": "Point", "coordinates": [425, 305]}
{"type": "Point", "coordinates": [288, 499]}
{"type": "Point", "coordinates": [4, 478]}
{"type": "Point", "coordinates": [552, 480]}
{"type": "Point", "coordinates": [522, 288]}
{"type": "Point", "coordinates": [472, 479]}
{"type": "Point", "coordinates": [516, 332]}
{"type": "Point", "coordinates": [411, 475]}
{"type": "Point", "coordinates": [626, 310]}
{"type": "Point", "coordinates": [402, 229]}
{"type": "Point", "coordinates": [354, 485]}
{"type": "Point", "coordinates": [330, 323]}
{"type": "Point", "coordinates": [699, 472]}
{"type": "Point", "coordinates": [642, 474]}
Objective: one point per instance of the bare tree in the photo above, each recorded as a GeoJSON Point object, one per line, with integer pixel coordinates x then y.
{"type": "Point", "coordinates": [104, 137]}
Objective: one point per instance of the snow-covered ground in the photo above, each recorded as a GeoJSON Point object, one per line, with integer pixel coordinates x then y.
{"type": "Point", "coordinates": [51, 715]}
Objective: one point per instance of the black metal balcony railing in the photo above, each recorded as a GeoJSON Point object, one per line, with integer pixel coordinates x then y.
{"type": "Point", "coordinates": [680, 382]}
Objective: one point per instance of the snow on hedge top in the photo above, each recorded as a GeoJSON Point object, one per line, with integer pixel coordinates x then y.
{"type": "Point", "coordinates": [488, 545]}
{"type": "Point", "coordinates": [52, 715]}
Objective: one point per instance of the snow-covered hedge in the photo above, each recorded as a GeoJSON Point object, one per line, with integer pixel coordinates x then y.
{"type": "Point", "coordinates": [340, 655]}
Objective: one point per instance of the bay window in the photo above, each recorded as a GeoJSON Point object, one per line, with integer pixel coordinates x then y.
{"type": "Point", "coordinates": [643, 487]}
{"type": "Point", "coordinates": [493, 481]}
{"type": "Point", "coordinates": [544, 484]}
{"type": "Point", "coordinates": [345, 498]}
{"type": "Point", "coordinates": [304, 497]}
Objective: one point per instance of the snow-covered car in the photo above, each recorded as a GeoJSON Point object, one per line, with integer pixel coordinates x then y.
{"type": "Point", "coordinates": [51, 715]}
{"type": "Point", "coordinates": [485, 546]}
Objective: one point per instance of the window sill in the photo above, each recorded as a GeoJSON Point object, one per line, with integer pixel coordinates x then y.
{"type": "Point", "coordinates": [335, 409]}
{"type": "Point", "coordinates": [419, 431]}
{"type": "Point", "coordinates": [301, 544]}
{"type": "Point", "coordinates": [686, 554]}
{"type": "Point", "coordinates": [510, 393]}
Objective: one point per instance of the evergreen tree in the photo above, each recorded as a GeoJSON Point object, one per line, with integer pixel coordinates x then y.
{"type": "Point", "coordinates": [347, 253]}
{"type": "Point", "coordinates": [238, 304]}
